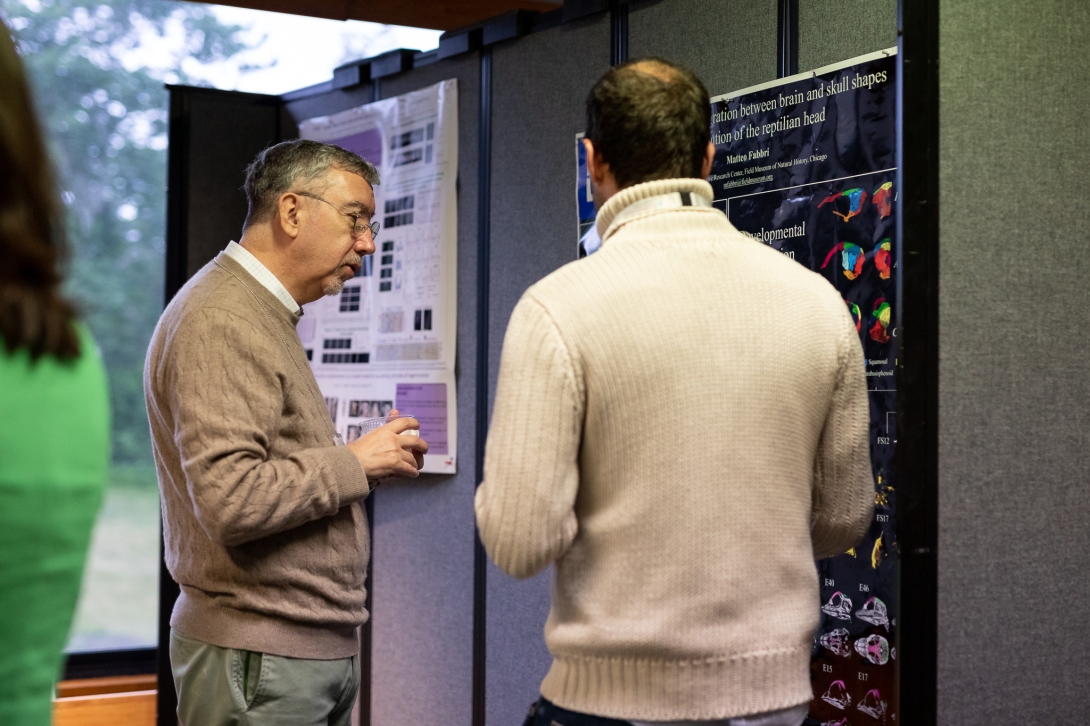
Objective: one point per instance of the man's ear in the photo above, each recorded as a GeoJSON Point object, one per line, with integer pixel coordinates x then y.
{"type": "Point", "coordinates": [709, 159]}
{"type": "Point", "coordinates": [596, 168]}
{"type": "Point", "coordinates": [288, 212]}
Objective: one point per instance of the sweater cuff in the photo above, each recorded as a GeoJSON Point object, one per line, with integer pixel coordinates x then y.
{"type": "Point", "coordinates": [351, 481]}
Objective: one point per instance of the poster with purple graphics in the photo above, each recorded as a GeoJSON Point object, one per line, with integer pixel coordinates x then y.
{"type": "Point", "coordinates": [387, 338]}
{"type": "Point", "coordinates": [807, 165]}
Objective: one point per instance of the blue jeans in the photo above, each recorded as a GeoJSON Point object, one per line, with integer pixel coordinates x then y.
{"type": "Point", "coordinates": [545, 713]}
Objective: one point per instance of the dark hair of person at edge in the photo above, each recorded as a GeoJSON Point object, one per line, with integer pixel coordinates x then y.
{"type": "Point", "coordinates": [649, 119]}
{"type": "Point", "coordinates": [33, 313]}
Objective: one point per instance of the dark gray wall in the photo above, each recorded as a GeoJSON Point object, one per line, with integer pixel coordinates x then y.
{"type": "Point", "coordinates": [538, 88]}
{"type": "Point", "coordinates": [730, 44]}
{"type": "Point", "coordinates": [1014, 382]}
{"type": "Point", "coordinates": [831, 31]}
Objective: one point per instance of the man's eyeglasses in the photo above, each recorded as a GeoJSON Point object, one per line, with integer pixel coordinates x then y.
{"type": "Point", "coordinates": [358, 229]}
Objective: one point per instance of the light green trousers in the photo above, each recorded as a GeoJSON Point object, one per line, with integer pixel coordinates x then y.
{"type": "Point", "coordinates": [226, 687]}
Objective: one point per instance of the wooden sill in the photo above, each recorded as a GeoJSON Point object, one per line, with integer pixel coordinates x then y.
{"type": "Point", "coordinates": [118, 701]}
{"type": "Point", "coordinates": [99, 686]}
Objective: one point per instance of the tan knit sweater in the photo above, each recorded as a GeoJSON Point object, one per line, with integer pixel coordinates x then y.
{"type": "Point", "coordinates": [680, 426]}
{"type": "Point", "coordinates": [258, 503]}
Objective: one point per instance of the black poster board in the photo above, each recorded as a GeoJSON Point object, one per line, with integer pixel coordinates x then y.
{"type": "Point", "coordinates": [807, 165]}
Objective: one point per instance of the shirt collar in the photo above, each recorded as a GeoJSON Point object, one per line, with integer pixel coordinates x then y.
{"type": "Point", "coordinates": [244, 257]}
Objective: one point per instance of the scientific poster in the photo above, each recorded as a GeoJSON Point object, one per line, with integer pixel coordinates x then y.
{"type": "Point", "coordinates": [388, 339]}
{"type": "Point", "coordinates": [807, 166]}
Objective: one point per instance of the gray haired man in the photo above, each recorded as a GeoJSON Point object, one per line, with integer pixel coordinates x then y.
{"type": "Point", "coordinates": [260, 518]}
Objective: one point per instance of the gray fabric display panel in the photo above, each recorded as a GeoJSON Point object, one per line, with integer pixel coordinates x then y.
{"type": "Point", "coordinates": [1013, 373]}
{"type": "Point", "coordinates": [422, 558]}
{"type": "Point", "coordinates": [834, 30]}
{"type": "Point", "coordinates": [321, 105]}
{"type": "Point", "coordinates": [540, 83]}
{"type": "Point", "coordinates": [729, 44]}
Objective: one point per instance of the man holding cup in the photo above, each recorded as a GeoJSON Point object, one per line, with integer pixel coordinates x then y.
{"type": "Point", "coordinates": [676, 452]}
{"type": "Point", "coordinates": [261, 518]}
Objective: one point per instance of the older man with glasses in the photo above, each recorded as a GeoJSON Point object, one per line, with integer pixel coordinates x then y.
{"type": "Point", "coordinates": [259, 493]}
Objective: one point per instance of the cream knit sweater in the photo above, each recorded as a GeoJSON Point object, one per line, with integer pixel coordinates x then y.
{"type": "Point", "coordinates": [681, 427]}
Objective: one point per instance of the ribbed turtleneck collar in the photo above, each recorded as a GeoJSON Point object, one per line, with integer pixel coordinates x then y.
{"type": "Point", "coordinates": [630, 195]}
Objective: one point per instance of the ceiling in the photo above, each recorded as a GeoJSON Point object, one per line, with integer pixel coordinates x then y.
{"type": "Point", "coordinates": [437, 14]}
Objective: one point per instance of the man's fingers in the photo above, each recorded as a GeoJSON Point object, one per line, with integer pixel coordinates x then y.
{"type": "Point", "coordinates": [414, 443]}
{"type": "Point", "coordinates": [402, 424]}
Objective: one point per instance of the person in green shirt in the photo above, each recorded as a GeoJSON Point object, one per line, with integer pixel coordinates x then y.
{"type": "Point", "coordinates": [54, 418]}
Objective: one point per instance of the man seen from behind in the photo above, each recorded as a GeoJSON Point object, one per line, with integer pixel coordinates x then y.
{"type": "Point", "coordinates": [675, 451]}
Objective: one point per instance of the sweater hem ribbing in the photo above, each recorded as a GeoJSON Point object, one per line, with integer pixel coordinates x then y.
{"type": "Point", "coordinates": [662, 690]}
{"type": "Point", "coordinates": [198, 616]}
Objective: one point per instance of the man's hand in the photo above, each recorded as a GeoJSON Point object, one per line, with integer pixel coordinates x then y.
{"type": "Point", "coordinates": [389, 452]}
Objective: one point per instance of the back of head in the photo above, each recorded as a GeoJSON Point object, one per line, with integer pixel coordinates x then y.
{"type": "Point", "coordinates": [33, 315]}
{"type": "Point", "coordinates": [297, 165]}
{"type": "Point", "coordinates": [649, 119]}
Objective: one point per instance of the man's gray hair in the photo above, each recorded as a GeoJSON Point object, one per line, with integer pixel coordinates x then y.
{"type": "Point", "coordinates": [293, 165]}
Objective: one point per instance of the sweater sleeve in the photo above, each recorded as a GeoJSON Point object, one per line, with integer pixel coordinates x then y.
{"type": "Point", "coordinates": [525, 505]}
{"type": "Point", "coordinates": [843, 495]}
{"type": "Point", "coordinates": [227, 410]}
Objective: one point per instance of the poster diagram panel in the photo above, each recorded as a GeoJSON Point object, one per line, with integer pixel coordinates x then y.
{"type": "Point", "coordinates": [387, 339]}
{"type": "Point", "coordinates": [806, 165]}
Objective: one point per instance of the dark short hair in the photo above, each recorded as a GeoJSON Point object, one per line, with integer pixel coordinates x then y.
{"type": "Point", "coordinates": [649, 119]}
{"type": "Point", "coordinates": [293, 164]}
{"type": "Point", "coordinates": [34, 315]}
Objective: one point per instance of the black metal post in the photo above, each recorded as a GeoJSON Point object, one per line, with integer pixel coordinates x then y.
{"type": "Point", "coordinates": [618, 32]}
{"type": "Point", "coordinates": [787, 39]}
{"type": "Point", "coordinates": [918, 370]}
{"type": "Point", "coordinates": [484, 210]}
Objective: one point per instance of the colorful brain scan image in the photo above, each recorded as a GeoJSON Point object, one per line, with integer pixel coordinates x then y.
{"type": "Point", "coordinates": [874, 648]}
{"type": "Point", "coordinates": [836, 642]}
{"type": "Point", "coordinates": [857, 315]}
{"type": "Point", "coordinates": [837, 695]}
{"type": "Point", "coordinates": [839, 606]}
{"type": "Point", "coordinates": [856, 197]}
{"type": "Point", "coordinates": [874, 612]}
{"type": "Point", "coordinates": [873, 705]}
{"type": "Point", "coordinates": [883, 199]}
{"type": "Point", "coordinates": [882, 313]}
{"type": "Point", "coordinates": [851, 259]}
{"type": "Point", "coordinates": [882, 258]}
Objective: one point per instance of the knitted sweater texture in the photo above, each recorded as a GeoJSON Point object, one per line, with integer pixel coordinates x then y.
{"type": "Point", "coordinates": [260, 520]}
{"type": "Point", "coordinates": [680, 427]}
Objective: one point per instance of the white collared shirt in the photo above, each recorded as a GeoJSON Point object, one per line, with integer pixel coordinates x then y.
{"type": "Point", "coordinates": [244, 257]}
